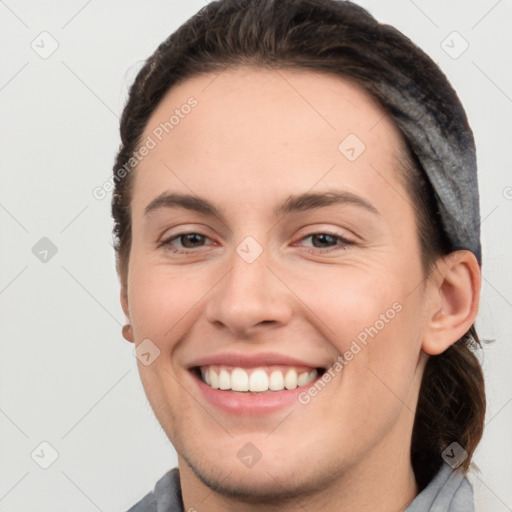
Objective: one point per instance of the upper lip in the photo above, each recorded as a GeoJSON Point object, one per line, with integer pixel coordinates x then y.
{"type": "Point", "coordinates": [252, 360]}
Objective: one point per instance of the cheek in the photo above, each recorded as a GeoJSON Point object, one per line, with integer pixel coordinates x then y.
{"type": "Point", "coordinates": [160, 302]}
{"type": "Point", "coordinates": [349, 299]}
{"type": "Point", "coordinates": [372, 320]}
{"type": "Point", "coordinates": [162, 310]}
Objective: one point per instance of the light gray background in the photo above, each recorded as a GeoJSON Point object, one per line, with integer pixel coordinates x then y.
{"type": "Point", "coordinates": [67, 375]}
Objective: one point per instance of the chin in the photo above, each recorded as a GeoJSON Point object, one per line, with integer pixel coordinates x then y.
{"type": "Point", "coordinates": [266, 482]}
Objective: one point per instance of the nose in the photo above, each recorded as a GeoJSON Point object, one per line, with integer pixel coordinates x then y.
{"type": "Point", "coordinates": [249, 296]}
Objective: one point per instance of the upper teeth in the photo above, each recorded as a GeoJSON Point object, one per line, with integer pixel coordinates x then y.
{"type": "Point", "coordinates": [256, 379]}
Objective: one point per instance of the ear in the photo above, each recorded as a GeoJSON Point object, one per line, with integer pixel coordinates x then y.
{"type": "Point", "coordinates": [454, 298]}
{"type": "Point", "coordinates": [127, 329]}
{"type": "Point", "coordinates": [123, 297]}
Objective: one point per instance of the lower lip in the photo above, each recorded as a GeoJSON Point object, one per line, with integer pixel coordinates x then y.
{"type": "Point", "coordinates": [250, 404]}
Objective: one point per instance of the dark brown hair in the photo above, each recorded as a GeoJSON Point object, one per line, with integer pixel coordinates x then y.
{"type": "Point", "coordinates": [343, 39]}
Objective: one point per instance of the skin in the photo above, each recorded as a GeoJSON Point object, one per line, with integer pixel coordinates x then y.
{"type": "Point", "coordinates": [255, 138]}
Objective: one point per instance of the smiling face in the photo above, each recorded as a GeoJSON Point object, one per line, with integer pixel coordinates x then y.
{"type": "Point", "coordinates": [271, 237]}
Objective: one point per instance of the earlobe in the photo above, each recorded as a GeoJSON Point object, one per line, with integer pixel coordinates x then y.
{"type": "Point", "coordinates": [127, 331]}
{"type": "Point", "coordinates": [457, 293]}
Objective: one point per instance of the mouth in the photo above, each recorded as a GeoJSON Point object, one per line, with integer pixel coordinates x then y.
{"type": "Point", "coordinates": [256, 380]}
{"type": "Point", "coordinates": [253, 385]}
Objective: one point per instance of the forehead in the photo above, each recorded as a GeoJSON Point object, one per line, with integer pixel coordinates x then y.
{"type": "Point", "coordinates": [284, 126]}
{"type": "Point", "coordinates": [322, 100]}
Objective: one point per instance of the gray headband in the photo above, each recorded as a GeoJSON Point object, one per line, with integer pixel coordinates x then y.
{"type": "Point", "coordinates": [446, 151]}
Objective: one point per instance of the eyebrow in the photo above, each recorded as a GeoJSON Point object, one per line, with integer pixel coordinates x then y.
{"type": "Point", "coordinates": [186, 201]}
{"type": "Point", "coordinates": [312, 200]}
{"type": "Point", "coordinates": [294, 203]}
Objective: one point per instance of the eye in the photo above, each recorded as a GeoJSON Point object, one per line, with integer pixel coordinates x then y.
{"type": "Point", "coordinates": [187, 241]}
{"type": "Point", "coordinates": [327, 241]}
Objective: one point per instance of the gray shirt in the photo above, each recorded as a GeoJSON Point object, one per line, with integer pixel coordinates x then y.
{"type": "Point", "coordinates": [449, 491]}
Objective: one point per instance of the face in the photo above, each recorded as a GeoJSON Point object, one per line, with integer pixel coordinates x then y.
{"type": "Point", "coordinates": [275, 252]}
